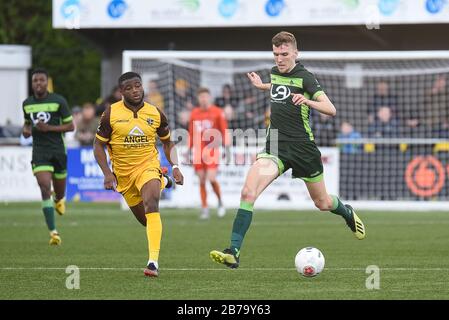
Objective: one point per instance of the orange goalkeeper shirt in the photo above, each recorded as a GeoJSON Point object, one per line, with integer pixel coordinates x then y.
{"type": "Point", "coordinates": [205, 125]}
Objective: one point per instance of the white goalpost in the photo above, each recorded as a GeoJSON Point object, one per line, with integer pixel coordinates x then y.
{"type": "Point", "coordinates": [387, 148]}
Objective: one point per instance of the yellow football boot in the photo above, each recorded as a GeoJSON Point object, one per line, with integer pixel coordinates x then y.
{"type": "Point", "coordinates": [60, 206]}
{"type": "Point", "coordinates": [356, 225]}
{"type": "Point", "coordinates": [55, 239]}
{"type": "Point", "coordinates": [227, 257]}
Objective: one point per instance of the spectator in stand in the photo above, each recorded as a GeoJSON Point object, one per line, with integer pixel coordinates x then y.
{"type": "Point", "coordinates": [228, 102]}
{"type": "Point", "coordinates": [9, 130]}
{"type": "Point", "coordinates": [70, 137]}
{"type": "Point", "coordinates": [347, 132]}
{"type": "Point", "coordinates": [246, 114]}
{"type": "Point", "coordinates": [437, 109]}
{"type": "Point", "coordinates": [384, 125]}
{"type": "Point", "coordinates": [382, 98]}
{"type": "Point", "coordinates": [183, 102]}
{"type": "Point", "coordinates": [116, 95]}
{"type": "Point", "coordinates": [324, 128]}
{"type": "Point", "coordinates": [154, 96]}
{"type": "Point", "coordinates": [85, 132]}
{"type": "Point", "coordinates": [113, 97]}
{"type": "Point", "coordinates": [101, 107]}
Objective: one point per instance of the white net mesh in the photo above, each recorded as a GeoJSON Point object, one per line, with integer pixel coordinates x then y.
{"type": "Point", "coordinates": [392, 123]}
{"type": "Point", "coordinates": [177, 81]}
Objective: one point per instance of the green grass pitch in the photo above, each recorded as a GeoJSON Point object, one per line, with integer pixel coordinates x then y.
{"type": "Point", "coordinates": [110, 248]}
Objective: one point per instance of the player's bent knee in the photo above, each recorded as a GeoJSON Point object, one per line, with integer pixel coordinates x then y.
{"type": "Point", "coordinates": [322, 204]}
{"type": "Point", "coordinates": [248, 195]}
{"type": "Point", "coordinates": [151, 205]}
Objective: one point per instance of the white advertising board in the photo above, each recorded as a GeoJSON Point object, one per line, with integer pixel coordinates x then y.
{"type": "Point", "coordinates": [17, 182]}
{"type": "Point", "coordinates": [75, 14]}
{"type": "Point", "coordinates": [283, 193]}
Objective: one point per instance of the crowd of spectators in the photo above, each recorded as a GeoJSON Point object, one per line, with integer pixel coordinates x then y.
{"type": "Point", "coordinates": [385, 116]}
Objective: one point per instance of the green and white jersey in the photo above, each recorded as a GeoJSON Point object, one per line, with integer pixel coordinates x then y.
{"type": "Point", "coordinates": [291, 121]}
{"type": "Point", "coordinates": [53, 110]}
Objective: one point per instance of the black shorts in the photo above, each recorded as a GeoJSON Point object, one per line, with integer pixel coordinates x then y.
{"type": "Point", "coordinates": [55, 162]}
{"type": "Point", "coordinates": [302, 157]}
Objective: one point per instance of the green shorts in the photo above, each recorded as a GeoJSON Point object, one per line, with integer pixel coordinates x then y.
{"type": "Point", "coordinates": [55, 162]}
{"type": "Point", "coordinates": [302, 157]}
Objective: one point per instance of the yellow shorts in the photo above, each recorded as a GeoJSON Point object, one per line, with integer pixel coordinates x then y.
{"type": "Point", "coordinates": [130, 186]}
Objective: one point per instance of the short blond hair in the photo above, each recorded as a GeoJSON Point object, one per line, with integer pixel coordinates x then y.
{"type": "Point", "coordinates": [284, 37]}
{"type": "Point", "coordinates": [202, 90]}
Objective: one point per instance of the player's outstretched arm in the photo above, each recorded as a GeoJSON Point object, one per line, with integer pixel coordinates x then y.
{"type": "Point", "coordinates": [172, 156]}
{"type": "Point", "coordinates": [110, 182]}
{"type": "Point", "coordinates": [257, 82]}
{"type": "Point", "coordinates": [322, 103]}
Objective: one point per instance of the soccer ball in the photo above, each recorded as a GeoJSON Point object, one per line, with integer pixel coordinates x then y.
{"type": "Point", "coordinates": [309, 262]}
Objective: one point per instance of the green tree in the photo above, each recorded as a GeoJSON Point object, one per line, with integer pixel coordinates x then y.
{"type": "Point", "coordinates": [72, 61]}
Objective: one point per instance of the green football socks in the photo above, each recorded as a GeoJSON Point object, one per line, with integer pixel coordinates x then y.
{"type": "Point", "coordinates": [49, 213]}
{"type": "Point", "coordinates": [241, 224]}
{"type": "Point", "coordinates": [339, 208]}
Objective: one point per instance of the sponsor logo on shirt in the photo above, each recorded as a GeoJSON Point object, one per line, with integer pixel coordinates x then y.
{"type": "Point", "coordinates": [136, 138]}
{"type": "Point", "coordinates": [136, 131]}
{"type": "Point", "coordinates": [40, 117]}
{"type": "Point", "coordinates": [280, 93]}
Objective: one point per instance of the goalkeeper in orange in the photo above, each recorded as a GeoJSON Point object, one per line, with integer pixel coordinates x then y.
{"type": "Point", "coordinates": [207, 131]}
{"type": "Point", "coordinates": [129, 129]}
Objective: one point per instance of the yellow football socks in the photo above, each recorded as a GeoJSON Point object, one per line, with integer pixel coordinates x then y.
{"type": "Point", "coordinates": [154, 234]}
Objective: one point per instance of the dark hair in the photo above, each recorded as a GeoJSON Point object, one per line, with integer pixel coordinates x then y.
{"type": "Point", "coordinates": [202, 90]}
{"type": "Point", "coordinates": [128, 76]}
{"type": "Point", "coordinates": [284, 37]}
{"type": "Point", "coordinates": [39, 71]}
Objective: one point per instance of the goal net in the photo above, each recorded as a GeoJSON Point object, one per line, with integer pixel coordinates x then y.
{"type": "Point", "coordinates": [388, 146]}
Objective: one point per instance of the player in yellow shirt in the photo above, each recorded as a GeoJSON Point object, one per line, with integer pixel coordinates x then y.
{"type": "Point", "coordinates": [129, 129]}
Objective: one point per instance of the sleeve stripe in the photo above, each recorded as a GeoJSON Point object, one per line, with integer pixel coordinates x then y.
{"type": "Point", "coordinates": [68, 119]}
{"type": "Point", "coordinates": [317, 94]}
{"type": "Point", "coordinates": [165, 137]}
{"type": "Point", "coordinates": [101, 138]}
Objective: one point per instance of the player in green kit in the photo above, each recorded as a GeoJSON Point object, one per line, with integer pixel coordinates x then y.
{"type": "Point", "coordinates": [290, 145]}
{"type": "Point", "coordinates": [47, 117]}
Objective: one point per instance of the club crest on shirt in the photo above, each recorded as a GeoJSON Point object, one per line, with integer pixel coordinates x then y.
{"type": "Point", "coordinates": [150, 121]}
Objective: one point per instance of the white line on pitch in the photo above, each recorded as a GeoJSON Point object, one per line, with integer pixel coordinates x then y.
{"type": "Point", "coordinates": [216, 269]}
